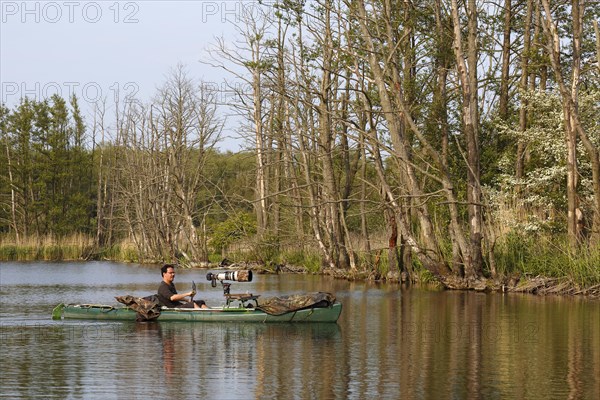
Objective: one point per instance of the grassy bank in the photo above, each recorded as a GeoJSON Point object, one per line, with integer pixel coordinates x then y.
{"type": "Point", "coordinates": [74, 247]}
{"type": "Point", "coordinates": [539, 256]}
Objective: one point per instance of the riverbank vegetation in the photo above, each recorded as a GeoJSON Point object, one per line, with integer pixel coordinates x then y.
{"type": "Point", "coordinates": [439, 141]}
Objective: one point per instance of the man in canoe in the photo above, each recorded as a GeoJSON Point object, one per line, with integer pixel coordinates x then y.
{"type": "Point", "coordinates": [167, 294]}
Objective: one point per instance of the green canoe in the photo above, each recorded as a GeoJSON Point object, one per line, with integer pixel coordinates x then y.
{"type": "Point", "coordinates": [216, 314]}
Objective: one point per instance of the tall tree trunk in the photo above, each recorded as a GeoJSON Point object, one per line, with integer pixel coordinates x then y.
{"type": "Point", "coordinates": [365, 117]}
{"type": "Point", "coordinates": [13, 197]}
{"type": "Point", "coordinates": [337, 239]}
{"type": "Point", "coordinates": [573, 127]}
{"type": "Point", "coordinates": [505, 67]}
{"type": "Point", "coordinates": [467, 73]}
{"type": "Point", "coordinates": [261, 179]}
{"type": "Point", "coordinates": [597, 32]}
{"type": "Point", "coordinates": [440, 118]}
{"type": "Point", "coordinates": [100, 237]}
{"type": "Point", "coordinates": [523, 86]}
{"type": "Point", "coordinates": [538, 40]}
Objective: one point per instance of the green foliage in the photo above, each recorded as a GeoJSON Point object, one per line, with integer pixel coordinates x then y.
{"type": "Point", "coordinates": [236, 227]}
{"type": "Point", "coordinates": [266, 249]}
{"type": "Point", "coordinates": [310, 260]}
{"type": "Point", "coordinates": [9, 253]}
{"type": "Point", "coordinates": [231, 181]}
{"type": "Point", "coordinates": [48, 169]}
{"type": "Point", "coordinates": [364, 260]}
{"type": "Point", "coordinates": [424, 276]}
{"type": "Point", "coordinates": [53, 253]}
{"type": "Point", "coordinates": [549, 256]}
{"type": "Point", "coordinates": [121, 252]}
{"type": "Point", "coordinates": [511, 254]}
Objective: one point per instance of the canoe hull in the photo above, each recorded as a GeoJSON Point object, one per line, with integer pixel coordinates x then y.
{"type": "Point", "coordinates": [224, 314]}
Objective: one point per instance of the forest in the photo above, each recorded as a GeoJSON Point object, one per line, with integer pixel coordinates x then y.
{"type": "Point", "coordinates": [440, 140]}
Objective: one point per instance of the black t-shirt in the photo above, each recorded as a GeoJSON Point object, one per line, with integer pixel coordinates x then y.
{"type": "Point", "coordinates": [164, 295]}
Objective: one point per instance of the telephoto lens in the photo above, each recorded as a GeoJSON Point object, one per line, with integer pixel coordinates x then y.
{"type": "Point", "coordinates": [237, 276]}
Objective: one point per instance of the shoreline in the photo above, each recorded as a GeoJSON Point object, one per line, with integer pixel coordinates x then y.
{"type": "Point", "coordinates": [536, 285]}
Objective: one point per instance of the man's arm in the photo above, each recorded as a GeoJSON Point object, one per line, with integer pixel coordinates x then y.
{"type": "Point", "coordinates": [177, 296]}
{"type": "Point", "coordinates": [180, 296]}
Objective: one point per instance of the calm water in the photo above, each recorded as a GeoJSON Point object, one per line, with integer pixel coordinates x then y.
{"type": "Point", "coordinates": [389, 343]}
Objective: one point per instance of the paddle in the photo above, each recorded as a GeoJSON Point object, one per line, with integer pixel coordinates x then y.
{"type": "Point", "coordinates": [193, 291]}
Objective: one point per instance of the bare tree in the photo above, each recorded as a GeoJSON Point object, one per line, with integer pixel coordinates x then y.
{"type": "Point", "coordinates": [165, 146]}
{"type": "Point", "coordinates": [467, 73]}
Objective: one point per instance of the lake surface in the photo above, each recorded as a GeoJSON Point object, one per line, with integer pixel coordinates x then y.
{"type": "Point", "coordinates": [389, 343]}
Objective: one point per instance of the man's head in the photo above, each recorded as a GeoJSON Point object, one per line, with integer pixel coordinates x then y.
{"type": "Point", "coordinates": [168, 272]}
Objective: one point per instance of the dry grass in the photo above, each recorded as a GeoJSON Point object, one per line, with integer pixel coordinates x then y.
{"type": "Point", "coordinates": [72, 247]}
{"type": "Point", "coordinates": [46, 248]}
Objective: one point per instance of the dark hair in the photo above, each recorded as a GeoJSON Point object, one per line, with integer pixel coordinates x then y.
{"type": "Point", "coordinates": [165, 267]}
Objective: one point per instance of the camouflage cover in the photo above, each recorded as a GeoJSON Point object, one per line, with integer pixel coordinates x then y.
{"type": "Point", "coordinates": [285, 304]}
{"type": "Point", "coordinates": [147, 308]}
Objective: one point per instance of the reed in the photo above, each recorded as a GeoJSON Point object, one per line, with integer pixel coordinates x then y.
{"type": "Point", "coordinates": [123, 251]}
{"type": "Point", "coordinates": [309, 260]}
{"type": "Point", "coordinates": [12, 252]}
{"type": "Point", "coordinates": [73, 247]}
{"type": "Point", "coordinates": [552, 257]}
{"type": "Point", "coordinates": [46, 248]}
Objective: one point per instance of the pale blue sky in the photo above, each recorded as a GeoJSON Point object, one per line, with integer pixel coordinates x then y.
{"type": "Point", "coordinates": [100, 48]}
